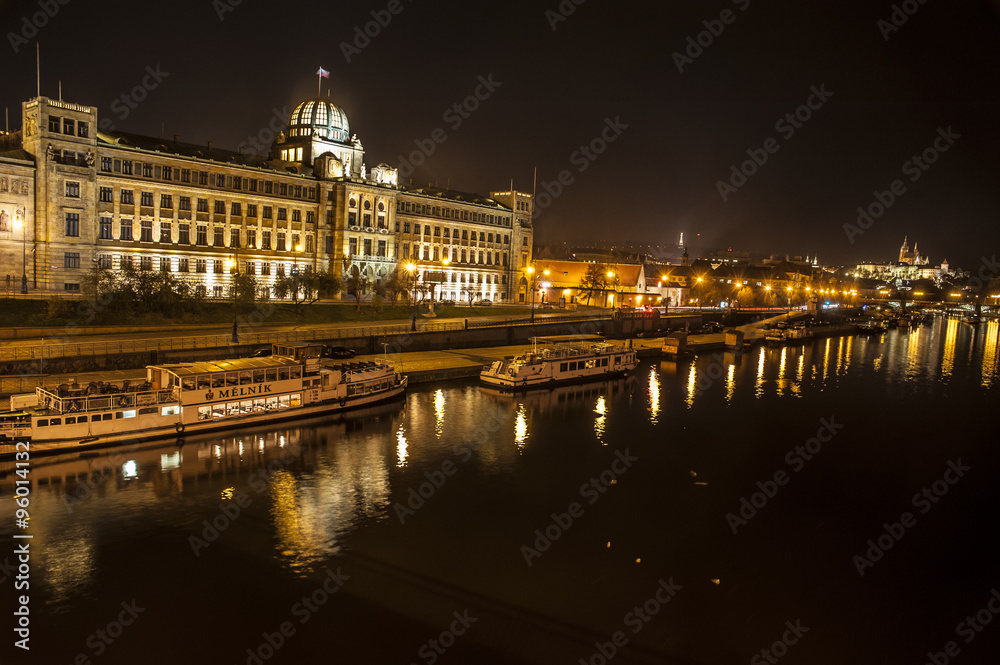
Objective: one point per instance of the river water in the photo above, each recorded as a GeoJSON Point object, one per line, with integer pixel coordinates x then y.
{"type": "Point", "coordinates": [698, 511]}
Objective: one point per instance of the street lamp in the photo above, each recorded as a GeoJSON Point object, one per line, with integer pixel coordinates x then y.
{"type": "Point", "coordinates": [614, 288]}
{"type": "Point", "coordinates": [411, 268]}
{"type": "Point", "coordinates": [19, 214]}
{"type": "Point", "coordinates": [788, 290]}
{"type": "Point", "coordinates": [234, 267]}
{"type": "Point", "coordinates": [531, 282]}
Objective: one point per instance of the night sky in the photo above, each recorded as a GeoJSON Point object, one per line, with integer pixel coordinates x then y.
{"type": "Point", "coordinates": [892, 90]}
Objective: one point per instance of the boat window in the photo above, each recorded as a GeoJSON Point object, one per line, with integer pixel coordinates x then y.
{"type": "Point", "coordinates": [170, 410]}
{"type": "Point", "coordinates": [128, 414]}
{"type": "Point", "coordinates": [604, 362]}
{"type": "Point", "coordinates": [43, 423]}
{"type": "Point", "coordinates": [296, 372]}
{"type": "Point", "coordinates": [219, 380]}
{"type": "Point", "coordinates": [55, 421]}
{"type": "Point", "coordinates": [232, 378]}
{"type": "Point", "coordinates": [590, 364]}
{"type": "Point", "coordinates": [282, 373]}
{"type": "Point", "coordinates": [219, 410]}
{"type": "Point", "coordinates": [272, 374]}
{"type": "Point", "coordinates": [95, 418]}
{"type": "Point", "coordinates": [563, 366]}
{"type": "Point", "coordinates": [283, 402]}
{"type": "Point", "coordinates": [258, 376]}
{"type": "Point", "coordinates": [204, 381]}
{"type": "Point", "coordinates": [70, 421]}
{"type": "Point", "coordinates": [188, 383]}
{"type": "Point", "coordinates": [233, 409]}
{"type": "Point", "coordinates": [296, 400]}
{"type": "Point", "coordinates": [107, 416]}
{"type": "Point", "coordinates": [204, 412]}
{"type": "Point", "coordinates": [246, 406]}
{"type": "Point", "coordinates": [246, 377]}
{"type": "Point", "coordinates": [258, 405]}
{"type": "Point", "coordinates": [272, 403]}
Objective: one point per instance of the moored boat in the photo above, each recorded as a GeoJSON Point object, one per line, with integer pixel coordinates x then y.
{"type": "Point", "coordinates": [188, 398]}
{"type": "Point", "coordinates": [561, 359]}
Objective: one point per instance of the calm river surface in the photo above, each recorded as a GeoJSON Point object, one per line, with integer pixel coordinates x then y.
{"type": "Point", "coordinates": [404, 534]}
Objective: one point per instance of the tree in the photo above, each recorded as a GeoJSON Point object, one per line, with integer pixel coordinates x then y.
{"type": "Point", "coordinates": [470, 292]}
{"type": "Point", "coordinates": [593, 281]}
{"type": "Point", "coordinates": [357, 285]}
{"type": "Point", "coordinates": [395, 286]}
{"type": "Point", "coordinates": [308, 286]}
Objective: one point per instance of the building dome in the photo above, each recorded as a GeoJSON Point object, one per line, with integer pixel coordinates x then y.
{"type": "Point", "coordinates": [319, 117]}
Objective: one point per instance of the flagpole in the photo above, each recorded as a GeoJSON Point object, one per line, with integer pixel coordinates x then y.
{"type": "Point", "coordinates": [319, 83]}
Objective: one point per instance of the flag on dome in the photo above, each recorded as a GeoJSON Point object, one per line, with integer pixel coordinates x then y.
{"type": "Point", "coordinates": [323, 73]}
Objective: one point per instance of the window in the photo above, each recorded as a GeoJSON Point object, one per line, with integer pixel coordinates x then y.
{"type": "Point", "coordinates": [268, 187]}
{"type": "Point", "coordinates": [310, 217]}
{"type": "Point", "coordinates": [147, 170]}
{"type": "Point", "coordinates": [281, 241]}
{"type": "Point", "coordinates": [236, 209]}
{"type": "Point", "coordinates": [237, 182]}
{"type": "Point", "coordinates": [296, 215]}
{"type": "Point", "coordinates": [220, 237]}
{"type": "Point", "coordinates": [168, 173]}
{"type": "Point", "coordinates": [166, 201]}
{"type": "Point", "coordinates": [252, 207]}
{"type": "Point", "coordinates": [165, 232]}
{"type": "Point", "coordinates": [367, 217]}
{"type": "Point", "coordinates": [106, 195]}
{"type": "Point", "coordinates": [71, 260]}
{"type": "Point", "coordinates": [265, 268]}
{"type": "Point", "coordinates": [406, 226]}
{"type": "Point", "coordinates": [127, 167]}
{"type": "Point", "coordinates": [106, 164]}
{"type": "Point", "coordinates": [382, 248]}
{"type": "Point", "coordinates": [201, 265]}
{"type": "Point", "coordinates": [251, 238]}
{"type": "Point", "coordinates": [69, 126]}
{"type": "Point", "coordinates": [185, 175]}
{"type": "Point", "coordinates": [146, 199]}
{"type": "Point", "coordinates": [265, 242]}
{"type": "Point", "coordinates": [146, 231]}
{"type": "Point", "coordinates": [329, 244]}
{"type": "Point", "coordinates": [283, 189]}
{"type": "Point", "coordinates": [126, 229]}
{"type": "Point", "coordinates": [282, 214]}
{"type": "Point", "coordinates": [182, 265]}
{"type": "Point", "coordinates": [72, 225]}
{"type": "Point", "coordinates": [217, 266]}
{"type": "Point", "coordinates": [72, 189]}
{"type": "Point", "coordinates": [202, 233]}
{"type": "Point", "coordinates": [220, 207]}
{"type": "Point", "coordinates": [83, 129]}
{"type": "Point", "coordinates": [164, 264]}
{"type": "Point", "coordinates": [104, 228]}
{"type": "Point", "coordinates": [368, 246]}
{"type": "Point", "coordinates": [202, 205]}
{"type": "Point", "coordinates": [67, 287]}
{"type": "Point", "coordinates": [145, 263]}
{"type": "Point", "coordinates": [127, 197]}
{"type": "Point", "coordinates": [267, 212]}
{"type": "Point", "coordinates": [203, 179]}
{"type": "Point", "coordinates": [352, 246]}
{"type": "Point", "coordinates": [55, 124]}
{"type": "Point", "coordinates": [184, 235]}
{"type": "Point", "coordinates": [352, 218]}
{"type": "Point", "coordinates": [252, 184]}
{"type": "Point", "coordinates": [184, 203]}
{"type": "Point", "coordinates": [281, 270]}
{"type": "Point", "coordinates": [309, 244]}
{"type": "Point", "coordinates": [298, 189]}
{"type": "Point", "coordinates": [105, 261]}
{"type": "Point", "coordinates": [234, 237]}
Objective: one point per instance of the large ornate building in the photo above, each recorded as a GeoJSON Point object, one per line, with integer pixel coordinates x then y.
{"type": "Point", "coordinates": [72, 196]}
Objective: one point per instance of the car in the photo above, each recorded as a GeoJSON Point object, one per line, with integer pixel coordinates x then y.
{"type": "Point", "coordinates": [262, 353]}
{"type": "Point", "coordinates": [546, 305]}
{"type": "Point", "coordinates": [448, 303]}
{"type": "Point", "coordinates": [339, 352]}
{"type": "Point", "coordinates": [484, 303]}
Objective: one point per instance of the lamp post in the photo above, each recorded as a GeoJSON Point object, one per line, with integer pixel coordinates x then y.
{"type": "Point", "coordinates": [531, 282]}
{"type": "Point", "coordinates": [234, 266]}
{"type": "Point", "coordinates": [699, 295]}
{"type": "Point", "coordinates": [411, 268]}
{"type": "Point", "coordinates": [614, 288]}
{"type": "Point", "coordinates": [19, 214]}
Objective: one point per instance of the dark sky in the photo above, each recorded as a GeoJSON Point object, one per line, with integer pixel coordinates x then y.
{"type": "Point", "coordinates": [607, 60]}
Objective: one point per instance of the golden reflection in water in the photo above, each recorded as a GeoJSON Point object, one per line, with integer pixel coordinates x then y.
{"type": "Point", "coordinates": [601, 409]}
{"type": "Point", "coordinates": [826, 359]}
{"type": "Point", "coordinates": [913, 355]}
{"type": "Point", "coordinates": [521, 427]}
{"type": "Point", "coordinates": [950, 336]}
{"type": "Point", "coordinates": [840, 356]}
{"type": "Point", "coordinates": [401, 447]}
{"type": "Point", "coordinates": [731, 382]}
{"type": "Point", "coordinates": [69, 565]}
{"type": "Point", "coordinates": [800, 372]}
{"type": "Point", "coordinates": [990, 353]}
{"type": "Point", "coordinates": [780, 384]}
{"type": "Point", "coordinates": [654, 395]}
{"type": "Point", "coordinates": [439, 412]}
{"type": "Point", "coordinates": [760, 374]}
{"type": "Point", "coordinates": [692, 377]}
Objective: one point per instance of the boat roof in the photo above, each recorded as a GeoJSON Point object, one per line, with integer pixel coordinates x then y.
{"type": "Point", "coordinates": [556, 339]}
{"type": "Point", "coordinates": [235, 365]}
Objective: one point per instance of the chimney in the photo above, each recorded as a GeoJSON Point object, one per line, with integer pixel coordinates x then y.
{"type": "Point", "coordinates": [210, 144]}
{"type": "Point", "coordinates": [177, 138]}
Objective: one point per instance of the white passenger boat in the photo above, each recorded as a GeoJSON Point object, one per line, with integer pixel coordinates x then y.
{"type": "Point", "coordinates": [561, 359]}
{"type": "Point", "coordinates": [180, 399]}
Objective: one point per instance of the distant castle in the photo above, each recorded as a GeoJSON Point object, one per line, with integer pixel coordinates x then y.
{"type": "Point", "coordinates": [911, 258]}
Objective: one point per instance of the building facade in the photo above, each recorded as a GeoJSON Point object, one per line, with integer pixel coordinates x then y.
{"type": "Point", "coordinates": [72, 197]}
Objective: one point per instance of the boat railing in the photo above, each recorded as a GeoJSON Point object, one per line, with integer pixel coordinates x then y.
{"type": "Point", "coordinates": [84, 402]}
